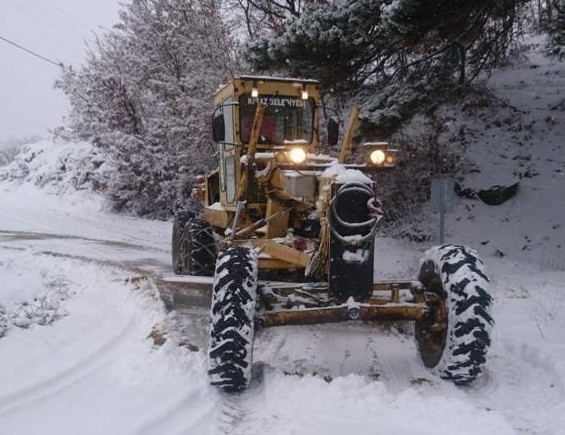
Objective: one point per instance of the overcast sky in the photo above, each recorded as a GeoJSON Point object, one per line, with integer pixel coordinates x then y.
{"type": "Point", "coordinates": [55, 29]}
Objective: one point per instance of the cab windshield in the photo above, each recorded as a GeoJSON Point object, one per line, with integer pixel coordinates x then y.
{"type": "Point", "coordinates": [285, 118]}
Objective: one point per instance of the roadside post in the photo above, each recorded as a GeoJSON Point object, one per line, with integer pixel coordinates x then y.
{"type": "Point", "coordinates": [442, 200]}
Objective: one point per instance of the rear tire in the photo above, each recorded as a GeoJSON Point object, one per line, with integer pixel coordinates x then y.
{"type": "Point", "coordinates": [454, 335]}
{"type": "Point", "coordinates": [232, 326]}
{"type": "Point", "coordinates": [177, 242]}
{"type": "Point", "coordinates": [193, 246]}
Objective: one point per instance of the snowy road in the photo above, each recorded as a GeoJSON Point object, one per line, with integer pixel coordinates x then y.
{"type": "Point", "coordinates": [95, 367]}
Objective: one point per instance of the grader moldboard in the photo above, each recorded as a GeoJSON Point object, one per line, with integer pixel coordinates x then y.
{"type": "Point", "coordinates": [304, 223]}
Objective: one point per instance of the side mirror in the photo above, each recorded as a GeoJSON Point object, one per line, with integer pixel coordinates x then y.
{"type": "Point", "coordinates": [333, 131]}
{"type": "Point", "coordinates": [218, 126]}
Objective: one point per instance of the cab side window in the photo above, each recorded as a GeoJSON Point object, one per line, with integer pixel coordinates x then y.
{"type": "Point", "coordinates": [227, 110]}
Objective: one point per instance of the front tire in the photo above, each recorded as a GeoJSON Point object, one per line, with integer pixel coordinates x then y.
{"type": "Point", "coordinates": [454, 335]}
{"type": "Point", "coordinates": [232, 319]}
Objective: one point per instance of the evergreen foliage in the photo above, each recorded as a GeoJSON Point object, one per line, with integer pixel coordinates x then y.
{"type": "Point", "coordinates": [394, 56]}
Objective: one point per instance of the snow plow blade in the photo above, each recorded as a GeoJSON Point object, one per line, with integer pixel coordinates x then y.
{"type": "Point", "coordinates": [185, 292]}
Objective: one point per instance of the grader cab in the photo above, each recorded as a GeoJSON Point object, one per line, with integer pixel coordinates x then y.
{"type": "Point", "coordinates": [288, 233]}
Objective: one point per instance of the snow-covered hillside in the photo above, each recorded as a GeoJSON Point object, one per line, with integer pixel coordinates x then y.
{"type": "Point", "coordinates": [86, 346]}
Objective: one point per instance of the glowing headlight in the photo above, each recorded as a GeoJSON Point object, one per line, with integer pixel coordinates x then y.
{"type": "Point", "coordinates": [297, 155]}
{"type": "Point", "coordinates": [377, 157]}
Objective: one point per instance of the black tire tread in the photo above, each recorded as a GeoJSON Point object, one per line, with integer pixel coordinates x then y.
{"type": "Point", "coordinates": [466, 286]}
{"type": "Point", "coordinates": [203, 247]}
{"type": "Point", "coordinates": [193, 246]}
{"type": "Point", "coordinates": [232, 319]}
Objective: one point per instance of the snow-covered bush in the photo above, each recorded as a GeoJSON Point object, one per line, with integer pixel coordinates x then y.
{"type": "Point", "coordinates": [150, 180]}
{"type": "Point", "coordinates": [45, 308]}
{"type": "Point", "coordinates": [144, 97]}
{"type": "Point", "coordinates": [427, 149]}
{"type": "Point", "coordinates": [10, 148]}
{"type": "Point", "coordinates": [33, 293]}
{"type": "Point", "coordinates": [60, 167]}
{"type": "Point", "coordinates": [8, 153]}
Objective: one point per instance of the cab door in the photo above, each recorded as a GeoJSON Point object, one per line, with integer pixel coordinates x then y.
{"type": "Point", "coordinates": [228, 153]}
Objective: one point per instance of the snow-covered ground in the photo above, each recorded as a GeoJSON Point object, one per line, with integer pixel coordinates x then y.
{"type": "Point", "coordinates": [86, 346]}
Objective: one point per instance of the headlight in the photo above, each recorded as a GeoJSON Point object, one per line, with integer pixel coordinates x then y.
{"type": "Point", "coordinates": [377, 157]}
{"type": "Point", "coordinates": [378, 154]}
{"type": "Point", "coordinates": [297, 155]}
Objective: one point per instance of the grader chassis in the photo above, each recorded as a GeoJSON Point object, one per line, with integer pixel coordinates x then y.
{"type": "Point", "coordinates": [277, 208]}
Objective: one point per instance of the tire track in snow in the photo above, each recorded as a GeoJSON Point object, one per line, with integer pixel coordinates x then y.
{"type": "Point", "coordinates": [142, 265]}
{"type": "Point", "coordinates": [32, 235]}
{"type": "Point", "coordinates": [129, 266]}
{"type": "Point", "coordinates": [238, 413]}
{"type": "Point", "coordinates": [229, 414]}
{"type": "Point", "coordinates": [396, 361]}
{"type": "Point", "coordinates": [82, 369]}
{"type": "Point", "coordinates": [194, 407]}
{"type": "Point", "coordinates": [374, 367]}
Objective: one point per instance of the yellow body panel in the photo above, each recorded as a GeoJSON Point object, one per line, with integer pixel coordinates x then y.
{"type": "Point", "coordinates": [277, 227]}
{"type": "Point", "coordinates": [216, 216]}
{"type": "Point", "coordinates": [282, 252]}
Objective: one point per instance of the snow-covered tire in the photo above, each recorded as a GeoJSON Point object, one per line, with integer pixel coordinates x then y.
{"type": "Point", "coordinates": [454, 335]}
{"type": "Point", "coordinates": [193, 246]}
{"type": "Point", "coordinates": [177, 241]}
{"type": "Point", "coordinates": [232, 319]}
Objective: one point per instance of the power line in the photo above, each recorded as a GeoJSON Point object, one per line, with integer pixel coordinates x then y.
{"type": "Point", "coordinates": [79, 23]}
{"type": "Point", "coordinates": [59, 64]}
{"type": "Point", "coordinates": [39, 14]}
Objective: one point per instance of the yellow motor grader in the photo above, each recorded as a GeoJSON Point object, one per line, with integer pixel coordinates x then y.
{"type": "Point", "coordinates": [288, 234]}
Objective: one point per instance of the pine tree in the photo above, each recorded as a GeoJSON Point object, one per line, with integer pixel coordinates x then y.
{"type": "Point", "coordinates": [394, 56]}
